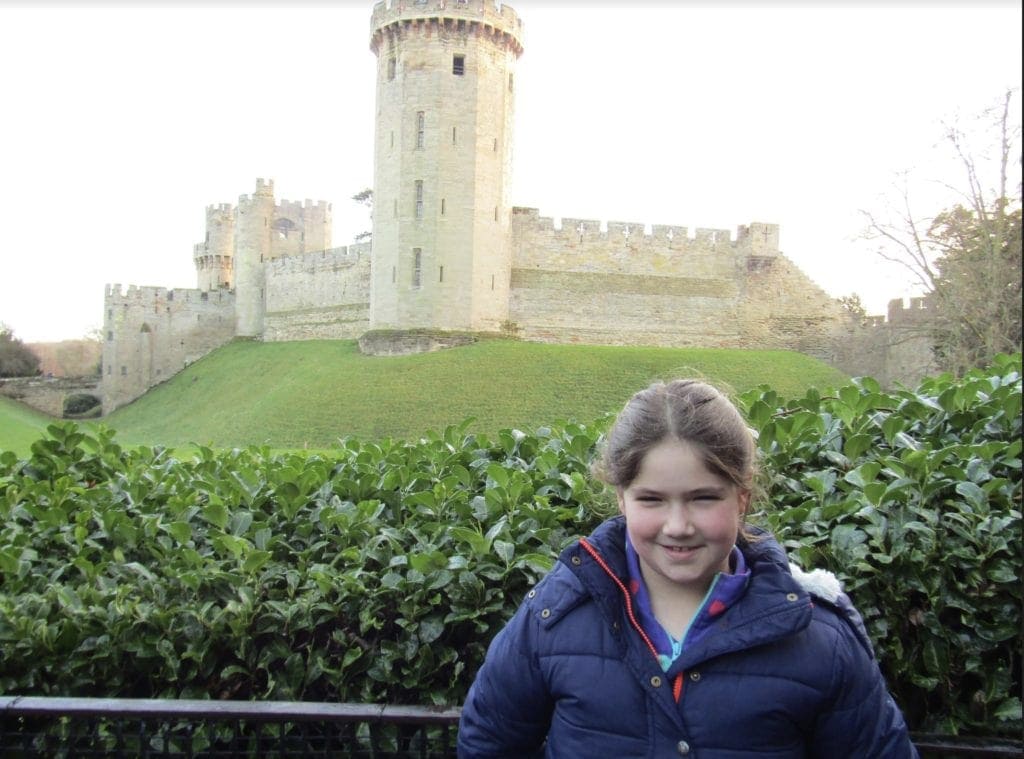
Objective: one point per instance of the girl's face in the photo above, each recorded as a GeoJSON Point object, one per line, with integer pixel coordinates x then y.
{"type": "Point", "coordinates": [682, 519]}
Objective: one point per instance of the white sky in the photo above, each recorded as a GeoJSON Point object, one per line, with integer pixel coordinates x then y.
{"type": "Point", "coordinates": [121, 122]}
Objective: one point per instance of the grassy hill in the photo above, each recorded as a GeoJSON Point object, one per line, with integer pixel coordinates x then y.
{"type": "Point", "coordinates": [299, 394]}
{"type": "Point", "coordinates": [20, 426]}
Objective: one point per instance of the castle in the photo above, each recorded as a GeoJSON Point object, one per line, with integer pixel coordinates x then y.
{"type": "Point", "coordinates": [447, 251]}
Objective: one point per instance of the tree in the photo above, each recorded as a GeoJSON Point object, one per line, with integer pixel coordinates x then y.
{"type": "Point", "coordinates": [16, 360]}
{"type": "Point", "coordinates": [365, 198]}
{"type": "Point", "coordinates": [967, 258]}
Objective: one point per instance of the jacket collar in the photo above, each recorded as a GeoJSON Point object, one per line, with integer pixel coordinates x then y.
{"type": "Point", "coordinates": [773, 607]}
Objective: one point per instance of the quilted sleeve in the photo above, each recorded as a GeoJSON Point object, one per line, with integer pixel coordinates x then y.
{"type": "Point", "coordinates": [863, 719]}
{"type": "Point", "coordinates": [508, 710]}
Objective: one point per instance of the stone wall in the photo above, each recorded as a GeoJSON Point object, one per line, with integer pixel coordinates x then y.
{"type": "Point", "coordinates": [323, 295]}
{"type": "Point", "coordinates": [621, 284]}
{"type": "Point", "coordinates": [152, 333]}
{"type": "Point", "coordinates": [47, 394]}
{"type": "Point", "coordinates": [895, 349]}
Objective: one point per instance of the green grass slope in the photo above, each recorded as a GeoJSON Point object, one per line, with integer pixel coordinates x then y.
{"type": "Point", "coordinates": [20, 426]}
{"type": "Point", "coordinates": [310, 393]}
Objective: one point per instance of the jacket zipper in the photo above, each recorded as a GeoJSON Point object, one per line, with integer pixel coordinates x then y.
{"type": "Point", "coordinates": [677, 684]}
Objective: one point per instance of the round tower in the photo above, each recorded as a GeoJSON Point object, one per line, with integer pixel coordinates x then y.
{"type": "Point", "coordinates": [214, 256]}
{"type": "Point", "coordinates": [253, 220]}
{"type": "Point", "coordinates": [441, 254]}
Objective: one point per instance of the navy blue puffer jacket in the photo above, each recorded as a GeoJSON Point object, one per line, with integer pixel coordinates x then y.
{"type": "Point", "coordinates": [785, 675]}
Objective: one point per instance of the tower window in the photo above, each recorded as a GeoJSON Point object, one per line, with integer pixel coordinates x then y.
{"type": "Point", "coordinates": [417, 266]}
{"type": "Point", "coordinates": [421, 123]}
{"type": "Point", "coordinates": [459, 65]}
{"type": "Point", "coordinates": [440, 274]}
{"type": "Point", "coordinates": [392, 138]}
{"type": "Point", "coordinates": [453, 135]}
{"type": "Point", "coordinates": [393, 272]}
{"type": "Point", "coordinates": [510, 83]}
{"type": "Point", "coordinates": [110, 334]}
{"type": "Point", "coordinates": [495, 213]}
{"type": "Point", "coordinates": [442, 206]}
{"type": "Point", "coordinates": [124, 370]}
{"type": "Point", "coordinates": [392, 65]}
{"type": "Point", "coordinates": [396, 208]}
{"type": "Point", "coordinates": [495, 144]}
{"type": "Point", "coordinates": [419, 198]}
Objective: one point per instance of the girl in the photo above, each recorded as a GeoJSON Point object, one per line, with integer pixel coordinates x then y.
{"type": "Point", "coordinates": [674, 629]}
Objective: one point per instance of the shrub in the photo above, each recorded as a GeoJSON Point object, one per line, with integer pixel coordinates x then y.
{"type": "Point", "coordinates": [913, 499]}
{"type": "Point", "coordinates": [379, 572]}
{"type": "Point", "coordinates": [77, 404]}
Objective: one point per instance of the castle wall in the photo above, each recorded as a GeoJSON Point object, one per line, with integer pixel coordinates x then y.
{"type": "Point", "coordinates": [322, 295]}
{"type": "Point", "coordinates": [624, 285]}
{"type": "Point", "coordinates": [895, 349]}
{"type": "Point", "coordinates": [151, 333]}
{"type": "Point", "coordinates": [781, 307]}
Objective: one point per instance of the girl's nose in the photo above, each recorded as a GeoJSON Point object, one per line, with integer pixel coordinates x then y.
{"type": "Point", "coordinates": [677, 522]}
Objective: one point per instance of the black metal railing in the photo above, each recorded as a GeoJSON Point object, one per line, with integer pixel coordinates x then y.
{"type": "Point", "coordinates": [97, 727]}
{"type": "Point", "coordinates": [63, 728]}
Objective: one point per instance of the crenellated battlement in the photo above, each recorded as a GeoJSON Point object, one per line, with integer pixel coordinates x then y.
{"type": "Point", "coordinates": [296, 206]}
{"type": "Point", "coordinates": [347, 255]}
{"type": "Point", "coordinates": [755, 237]}
{"type": "Point", "coordinates": [140, 295]}
{"type": "Point", "coordinates": [397, 18]}
{"type": "Point", "coordinates": [914, 313]}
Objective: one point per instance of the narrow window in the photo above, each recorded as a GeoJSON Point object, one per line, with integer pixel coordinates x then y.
{"type": "Point", "coordinates": [453, 135]}
{"type": "Point", "coordinates": [440, 274]}
{"type": "Point", "coordinates": [419, 198]}
{"type": "Point", "coordinates": [495, 144]}
{"type": "Point", "coordinates": [510, 82]}
{"type": "Point", "coordinates": [459, 65]}
{"type": "Point", "coordinates": [420, 128]}
{"type": "Point", "coordinates": [396, 207]}
{"type": "Point", "coordinates": [110, 334]}
{"type": "Point", "coordinates": [392, 138]}
{"type": "Point", "coordinates": [495, 213]}
{"type": "Point", "coordinates": [393, 274]}
{"type": "Point", "coordinates": [110, 313]}
{"type": "Point", "coordinates": [124, 370]}
{"type": "Point", "coordinates": [417, 263]}
{"type": "Point", "coordinates": [492, 281]}
{"type": "Point", "coordinates": [110, 370]}
{"type": "Point", "coordinates": [392, 65]}
{"type": "Point", "coordinates": [442, 206]}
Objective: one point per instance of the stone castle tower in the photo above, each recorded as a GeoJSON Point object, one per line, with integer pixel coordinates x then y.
{"type": "Point", "coordinates": [442, 163]}
{"type": "Point", "coordinates": [240, 241]}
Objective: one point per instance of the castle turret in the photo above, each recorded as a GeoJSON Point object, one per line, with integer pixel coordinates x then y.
{"type": "Point", "coordinates": [214, 257]}
{"type": "Point", "coordinates": [253, 231]}
{"type": "Point", "coordinates": [442, 163]}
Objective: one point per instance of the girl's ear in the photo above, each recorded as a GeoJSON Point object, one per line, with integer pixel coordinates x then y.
{"type": "Point", "coordinates": [621, 498]}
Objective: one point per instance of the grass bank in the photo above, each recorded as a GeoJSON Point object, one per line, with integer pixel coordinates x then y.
{"type": "Point", "coordinates": [310, 393]}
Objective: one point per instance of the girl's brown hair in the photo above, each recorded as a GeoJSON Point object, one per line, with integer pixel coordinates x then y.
{"type": "Point", "coordinates": [686, 410]}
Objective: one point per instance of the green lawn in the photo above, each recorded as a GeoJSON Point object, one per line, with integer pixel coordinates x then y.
{"type": "Point", "coordinates": [310, 393]}
{"type": "Point", "coordinates": [20, 426]}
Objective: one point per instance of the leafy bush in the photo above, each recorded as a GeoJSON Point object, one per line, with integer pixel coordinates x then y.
{"type": "Point", "coordinates": [79, 404]}
{"type": "Point", "coordinates": [913, 499]}
{"type": "Point", "coordinates": [377, 575]}
{"type": "Point", "coordinates": [380, 572]}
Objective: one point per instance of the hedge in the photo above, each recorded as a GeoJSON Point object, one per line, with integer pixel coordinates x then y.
{"type": "Point", "coordinates": [379, 572]}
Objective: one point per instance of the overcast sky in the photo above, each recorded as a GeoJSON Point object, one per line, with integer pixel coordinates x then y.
{"type": "Point", "coordinates": [122, 121]}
